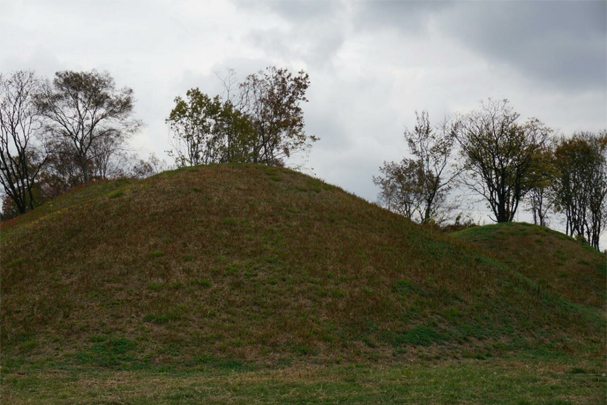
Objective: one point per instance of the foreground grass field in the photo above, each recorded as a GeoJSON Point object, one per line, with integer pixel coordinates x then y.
{"type": "Point", "coordinates": [244, 283]}
{"type": "Point", "coordinates": [522, 380]}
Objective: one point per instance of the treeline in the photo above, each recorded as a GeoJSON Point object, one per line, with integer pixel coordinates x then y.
{"type": "Point", "coordinates": [61, 134]}
{"type": "Point", "coordinates": [508, 163]}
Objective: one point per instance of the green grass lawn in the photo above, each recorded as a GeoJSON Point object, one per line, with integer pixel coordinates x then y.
{"type": "Point", "coordinates": [514, 380]}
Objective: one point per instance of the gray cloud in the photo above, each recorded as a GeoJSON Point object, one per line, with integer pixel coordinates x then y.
{"type": "Point", "coordinates": [294, 10]}
{"type": "Point", "coordinates": [561, 43]}
{"type": "Point", "coordinates": [404, 16]}
{"type": "Point", "coordinates": [300, 44]}
{"type": "Point", "coordinates": [314, 33]}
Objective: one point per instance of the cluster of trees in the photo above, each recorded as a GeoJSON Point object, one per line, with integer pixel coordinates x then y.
{"type": "Point", "coordinates": [508, 163]}
{"type": "Point", "coordinates": [260, 121]}
{"type": "Point", "coordinates": [74, 130]}
{"type": "Point", "coordinates": [61, 134]}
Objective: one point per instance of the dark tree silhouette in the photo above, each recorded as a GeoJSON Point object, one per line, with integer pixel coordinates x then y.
{"type": "Point", "coordinates": [498, 154]}
{"type": "Point", "coordinates": [21, 157]}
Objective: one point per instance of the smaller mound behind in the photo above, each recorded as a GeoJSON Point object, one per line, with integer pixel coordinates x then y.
{"type": "Point", "coordinates": [552, 259]}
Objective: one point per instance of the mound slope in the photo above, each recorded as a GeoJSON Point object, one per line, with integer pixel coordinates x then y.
{"type": "Point", "coordinates": [550, 258]}
{"type": "Point", "coordinates": [251, 263]}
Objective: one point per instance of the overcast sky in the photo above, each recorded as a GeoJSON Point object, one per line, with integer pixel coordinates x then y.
{"type": "Point", "coordinates": [371, 64]}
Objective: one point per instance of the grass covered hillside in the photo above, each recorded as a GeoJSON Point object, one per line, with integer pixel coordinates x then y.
{"type": "Point", "coordinates": [250, 266]}
{"type": "Point", "coordinates": [551, 259]}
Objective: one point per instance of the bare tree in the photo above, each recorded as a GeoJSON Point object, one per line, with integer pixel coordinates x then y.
{"type": "Point", "coordinates": [110, 158]}
{"type": "Point", "coordinates": [400, 188]}
{"type": "Point", "coordinates": [417, 188]}
{"type": "Point", "coordinates": [21, 159]}
{"type": "Point", "coordinates": [143, 168]}
{"type": "Point", "coordinates": [85, 111]}
{"type": "Point", "coordinates": [498, 155]}
{"type": "Point", "coordinates": [229, 82]}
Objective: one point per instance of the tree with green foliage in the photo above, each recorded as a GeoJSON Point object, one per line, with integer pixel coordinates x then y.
{"type": "Point", "coordinates": [542, 176]}
{"type": "Point", "coordinates": [262, 123]}
{"type": "Point", "coordinates": [206, 130]}
{"type": "Point", "coordinates": [581, 184]}
{"type": "Point", "coordinates": [498, 154]}
{"type": "Point", "coordinates": [193, 124]}
{"type": "Point", "coordinates": [21, 154]}
{"type": "Point", "coordinates": [418, 187]}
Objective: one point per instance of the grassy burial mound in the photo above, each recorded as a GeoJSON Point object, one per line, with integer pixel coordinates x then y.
{"type": "Point", "coordinates": [241, 264]}
{"type": "Point", "coordinates": [553, 260]}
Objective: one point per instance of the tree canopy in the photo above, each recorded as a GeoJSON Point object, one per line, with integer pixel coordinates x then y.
{"type": "Point", "coordinates": [498, 154]}
{"type": "Point", "coordinates": [581, 184]}
{"type": "Point", "coordinates": [262, 123]}
{"type": "Point", "coordinates": [87, 117]}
